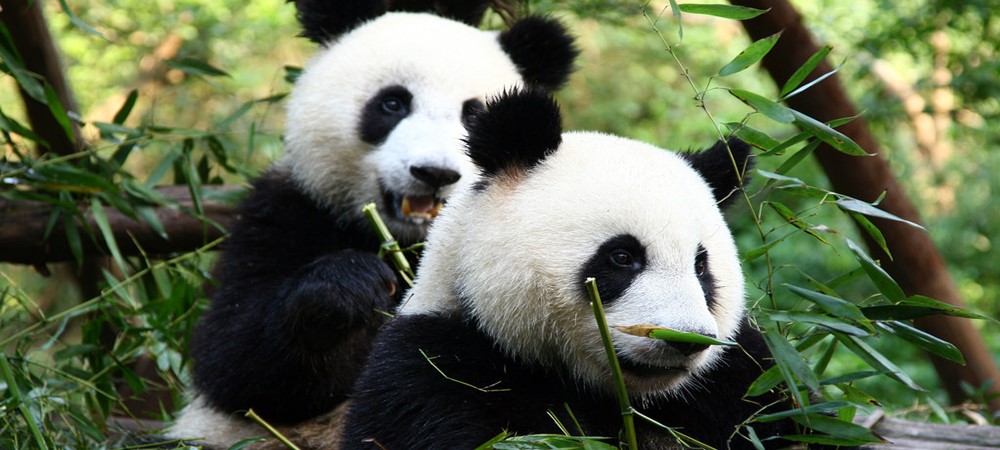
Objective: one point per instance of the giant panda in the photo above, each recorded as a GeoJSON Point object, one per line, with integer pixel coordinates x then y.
{"type": "Point", "coordinates": [377, 115]}
{"type": "Point", "coordinates": [498, 334]}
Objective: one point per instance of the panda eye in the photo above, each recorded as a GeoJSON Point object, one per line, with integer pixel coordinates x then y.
{"type": "Point", "coordinates": [622, 258]}
{"type": "Point", "coordinates": [701, 262]}
{"type": "Point", "coordinates": [470, 108]}
{"type": "Point", "coordinates": [392, 105]}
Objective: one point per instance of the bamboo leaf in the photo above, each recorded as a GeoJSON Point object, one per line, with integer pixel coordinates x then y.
{"type": "Point", "coordinates": [804, 70]}
{"type": "Point", "coordinates": [148, 216]}
{"type": "Point", "coordinates": [750, 55]}
{"type": "Point", "coordinates": [676, 11]}
{"type": "Point", "coordinates": [667, 334]}
{"type": "Point", "coordinates": [850, 377]}
{"type": "Point", "coordinates": [58, 112]}
{"type": "Point", "coordinates": [78, 22]}
{"type": "Point", "coordinates": [792, 365]}
{"type": "Point", "coordinates": [73, 238]}
{"type": "Point", "coordinates": [787, 144]}
{"type": "Point", "coordinates": [917, 306]}
{"type": "Point", "coordinates": [798, 157]}
{"type": "Point", "coordinates": [779, 177]}
{"type": "Point", "coordinates": [196, 67]}
{"type": "Point", "coordinates": [126, 108]}
{"type": "Point", "coordinates": [13, 126]}
{"type": "Point", "coordinates": [97, 211]}
{"type": "Point", "coordinates": [723, 11]}
{"type": "Point", "coordinates": [885, 284]}
{"type": "Point", "coordinates": [765, 382]}
{"type": "Point", "coordinates": [759, 251]}
{"type": "Point", "coordinates": [924, 340]}
{"type": "Point", "coordinates": [876, 360]}
{"type": "Point", "coordinates": [811, 409]}
{"type": "Point", "coordinates": [868, 227]}
{"type": "Point", "coordinates": [752, 135]}
{"type": "Point", "coordinates": [838, 429]}
{"type": "Point", "coordinates": [820, 320]}
{"type": "Point", "coordinates": [769, 108]}
{"type": "Point", "coordinates": [832, 137]}
{"type": "Point", "coordinates": [814, 82]}
{"type": "Point", "coordinates": [860, 207]}
{"type": "Point", "coordinates": [791, 218]}
{"type": "Point", "coordinates": [836, 306]}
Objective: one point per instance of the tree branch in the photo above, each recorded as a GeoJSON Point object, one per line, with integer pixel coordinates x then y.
{"type": "Point", "coordinates": [22, 236]}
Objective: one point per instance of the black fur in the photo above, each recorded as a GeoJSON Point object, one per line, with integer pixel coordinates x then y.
{"type": "Point", "coordinates": [469, 12]}
{"type": "Point", "coordinates": [614, 276]}
{"type": "Point", "coordinates": [718, 169]}
{"type": "Point", "coordinates": [324, 20]}
{"type": "Point", "coordinates": [542, 49]}
{"type": "Point", "coordinates": [516, 132]}
{"type": "Point", "coordinates": [383, 111]}
{"type": "Point", "coordinates": [296, 311]}
{"type": "Point", "coordinates": [402, 401]}
{"type": "Point", "coordinates": [705, 276]}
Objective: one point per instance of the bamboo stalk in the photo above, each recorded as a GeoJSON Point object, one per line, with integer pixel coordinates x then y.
{"type": "Point", "coordinates": [389, 243]}
{"type": "Point", "coordinates": [628, 414]}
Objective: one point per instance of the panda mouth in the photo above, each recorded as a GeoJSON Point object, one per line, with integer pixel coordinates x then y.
{"type": "Point", "coordinates": [643, 370]}
{"type": "Point", "coordinates": [417, 208]}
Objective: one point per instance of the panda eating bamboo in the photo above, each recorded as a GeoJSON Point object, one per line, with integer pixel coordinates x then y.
{"type": "Point", "coordinates": [497, 334]}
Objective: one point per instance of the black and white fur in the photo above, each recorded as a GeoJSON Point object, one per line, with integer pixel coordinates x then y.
{"type": "Point", "coordinates": [500, 302]}
{"type": "Point", "coordinates": [376, 116]}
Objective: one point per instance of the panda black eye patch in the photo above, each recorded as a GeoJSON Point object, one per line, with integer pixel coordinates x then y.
{"type": "Point", "coordinates": [704, 273]}
{"type": "Point", "coordinates": [701, 262]}
{"type": "Point", "coordinates": [383, 112]}
{"type": "Point", "coordinates": [615, 265]}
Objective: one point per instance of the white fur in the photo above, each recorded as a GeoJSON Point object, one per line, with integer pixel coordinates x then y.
{"type": "Point", "coordinates": [441, 62]}
{"type": "Point", "coordinates": [200, 424]}
{"type": "Point", "coordinates": [515, 252]}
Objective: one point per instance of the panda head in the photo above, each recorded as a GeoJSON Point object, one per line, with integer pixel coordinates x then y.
{"type": "Point", "coordinates": [378, 114]}
{"type": "Point", "coordinates": [553, 209]}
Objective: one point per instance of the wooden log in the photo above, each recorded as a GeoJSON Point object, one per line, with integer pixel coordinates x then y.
{"type": "Point", "coordinates": [22, 236]}
{"type": "Point", "coordinates": [910, 435]}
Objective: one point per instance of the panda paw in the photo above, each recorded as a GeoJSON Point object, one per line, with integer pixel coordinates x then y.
{"type": "Point", "coordinates": [338, 295]}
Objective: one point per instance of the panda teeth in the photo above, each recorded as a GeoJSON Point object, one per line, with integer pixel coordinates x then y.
{"type": "Point", "coordinates": [420, 206]}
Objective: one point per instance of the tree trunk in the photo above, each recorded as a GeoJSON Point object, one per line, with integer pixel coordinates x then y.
{"type": "Point", "coordinates": [916, 263]}
{"type": "Point", "coordinates": [30, 34]}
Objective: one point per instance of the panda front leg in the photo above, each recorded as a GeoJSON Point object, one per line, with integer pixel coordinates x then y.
{"type": "Point", "coordinates": [293, 353]}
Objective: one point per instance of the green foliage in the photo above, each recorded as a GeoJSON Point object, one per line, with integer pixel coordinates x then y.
{"type": "Point", "coordinates": [834, 319]}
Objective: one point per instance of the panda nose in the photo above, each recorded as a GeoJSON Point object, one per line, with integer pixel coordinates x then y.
{"type": "Point", "coordinates": [435, 176]}
{"type": "Point", "coordinates": [688, 349]}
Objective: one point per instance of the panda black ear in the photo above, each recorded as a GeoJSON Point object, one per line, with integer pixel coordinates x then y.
{"type": "Point", "coordinates": [717, 168]}
{"type": "Point", "coordinates": [516, 131]}
{"type": "Point", "coordinates": [542, 50]}
{"type": "Point", "coordinates": [469, 12]}
{"type": "Point", "coordinates": [324, 20]}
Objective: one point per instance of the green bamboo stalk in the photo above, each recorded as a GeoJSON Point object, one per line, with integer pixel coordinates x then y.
{"type": "Point", "coordinates": [628, 414]}
{"type": "Point", "coordinates": [270, 429]}
{"type": "Point", "coordinates": [15, 392]}
{"type": "Point", "coordinates": [389, 243]}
